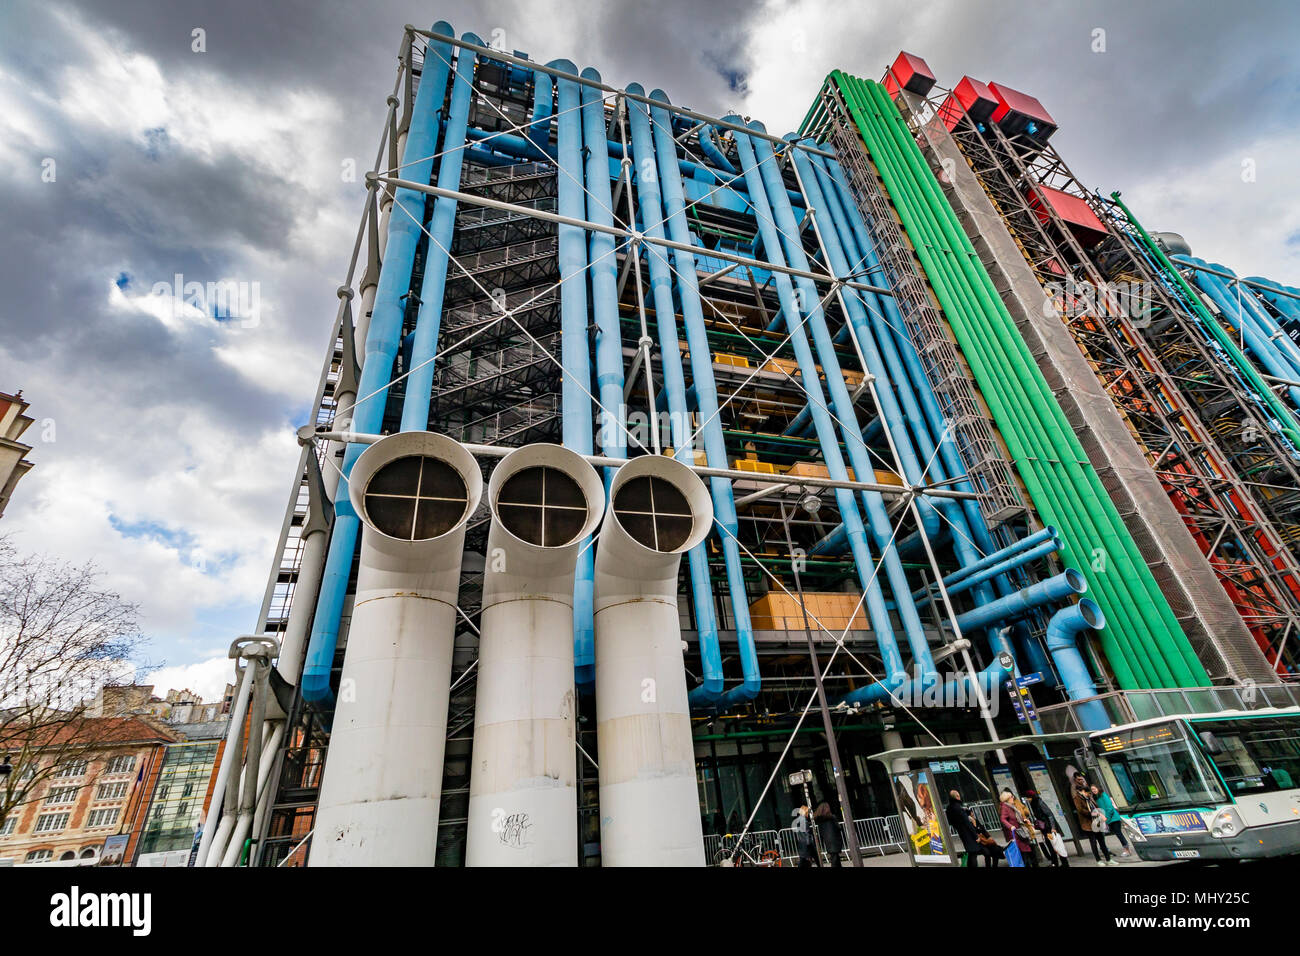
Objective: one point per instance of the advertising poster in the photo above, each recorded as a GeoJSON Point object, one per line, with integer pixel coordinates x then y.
{"type": "Point", "coordinates": [919, 809]}
{"type": "Point", "coordinates": [1042, 781]}
{"type": "Point", "coordinates": [114, 852]}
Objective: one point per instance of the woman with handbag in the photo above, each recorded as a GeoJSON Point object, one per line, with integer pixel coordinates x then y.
{"type": "Point", "coordinates": [1114, 822]}
{"type": "Point", "coordinates": [1046, 824]}
{"type": "Point", "coordinates": [1092, 821]}
{"type": "Point", "coordinates": [1016, 828]}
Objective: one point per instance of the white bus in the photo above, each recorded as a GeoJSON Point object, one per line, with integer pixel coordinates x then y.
{"type": "Point", "coordinates": [1222, 786]}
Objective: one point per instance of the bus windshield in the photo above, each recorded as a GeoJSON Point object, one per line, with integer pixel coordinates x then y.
{"type": "Point", "coordinates": [1156, 767]}
{"type": "Point", "coordinates": [1253, 754]}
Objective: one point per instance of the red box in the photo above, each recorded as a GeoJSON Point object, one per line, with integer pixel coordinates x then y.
{"type": "Point", "coordinates": [970, 98]}
{"type": "Point", "coordinates": [1016, 111]}
{"type": "Point", "coordinates": [1076, 213]}
{"type": "Point", "coordinates": [912, 73]}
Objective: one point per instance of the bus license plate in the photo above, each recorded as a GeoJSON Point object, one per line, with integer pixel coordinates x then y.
{"type": "Point", "coordinates": [1186, 854]}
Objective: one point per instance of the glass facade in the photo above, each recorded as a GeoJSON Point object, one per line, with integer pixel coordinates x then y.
{"type": "Point", "coordinates": [178, 797]}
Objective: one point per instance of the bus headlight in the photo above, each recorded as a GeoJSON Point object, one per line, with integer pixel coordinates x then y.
{"type": "Point", "coordinates": [1226, 823]}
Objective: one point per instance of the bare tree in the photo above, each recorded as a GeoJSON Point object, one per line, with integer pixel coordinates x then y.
{"type": "Point", "coordinates": [62, 638]}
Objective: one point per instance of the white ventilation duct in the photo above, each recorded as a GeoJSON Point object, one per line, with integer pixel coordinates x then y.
{"type": "Point", "coordinates": [379, 798]}
{"type": "Point", "coordinates": [649, 805]}
{"type": "Point", "coordinates": [523, 804]}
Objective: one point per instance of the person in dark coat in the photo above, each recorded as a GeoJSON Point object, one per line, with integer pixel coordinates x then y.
{"type": "Point", "coordinates": [1046, 823]}
{"type": "Point", "coordinates": [828, 828]}
{"type": "Point", "coordinates": [990, 848]}
{"type": "Point", "coordinates": [961, 825]}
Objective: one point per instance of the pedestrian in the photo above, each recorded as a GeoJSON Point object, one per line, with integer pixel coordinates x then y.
{"type": "Point", "coordinates": [828, 828]}
{"type": "Point", "coordinates": [803, 837]}
{"type": "Point", "coordinates": [960, 823]}
{"type": "Point", "coordinates": [1092, 821]}
{"type": "Point", "coordinates": [1114, 822]}
{"type": "Point", "coordinates": [1016, 826]}
{"type": "Point", "coordinates": [990, 849]}
{"type": "Point", "coordinates": [1046, 824]}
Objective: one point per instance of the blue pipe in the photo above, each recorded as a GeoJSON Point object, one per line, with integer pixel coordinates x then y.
{"type": "Point", "coordinates": [1041, 536]}
{"type": "Point", "coordinates": [895, 420]}
{"type": "Point", "coordinates": [1066, 625]}
{"type": "Point", "coordinates": [1263, 318]}
{"type": "Point", "coordinates": [575, 355]}
{"type": "Point", "coordinates": [710, 690]}
{"type": "Point", "coordinates": [381, 349]}
{"type": "Point", "coordinates": [914, 692]}
{"type": "Point", "coordinates": [539, 130]}
{"type": "Point", "coordinates": [604, 300]}
{"type": "Point", "coordinates": [706, 395]}
{"type": "Point", "coordinates": [1020, 560]}
{"type": "Point", "coordinates": [1289, 307]}
{"type": "Point", "coordinates": [789, 239]}
{"type": "Point", "coordinates": [522, 148]}
{"type": "Point", "coordinates": [893, 385]}
{"type": "Point", "coordinates": [713, 152]}
{"type": "Point", "coordinates": [896, 673]}
{"type": "Point", "coordinates": [930, 426]}
{"type": "Point", "coordinates": [1065, 584]}
{"type": "Point", "coordinates": [1268, 352]}
{"type": "Point", "coordinates": [419, 383]}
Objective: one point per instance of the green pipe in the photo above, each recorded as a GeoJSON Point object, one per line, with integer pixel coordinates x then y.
{"type": "Point", "coordinates": [957, 298]}
{"type": "Point", "coordinates": [1177, 656]}
{"type": "Point", "coordinates": [1145, 643]}
{"type": "Point", "coordinates": [1051, 441]}
{"type": "Point", "coordinates": [1073, 486]}
{"type": "Point", "coordinates": [1246, 367]}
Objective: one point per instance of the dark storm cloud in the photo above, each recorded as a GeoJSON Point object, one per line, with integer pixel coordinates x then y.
{"type": "Point", "coordinates": [1178, 86]}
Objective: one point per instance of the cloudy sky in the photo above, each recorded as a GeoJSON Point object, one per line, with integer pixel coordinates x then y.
{"type": "Point", "coordinates": [164, 436]}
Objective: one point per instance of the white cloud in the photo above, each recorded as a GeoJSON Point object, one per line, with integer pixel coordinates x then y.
{"type": "Point", "coordinates": [207, 678]}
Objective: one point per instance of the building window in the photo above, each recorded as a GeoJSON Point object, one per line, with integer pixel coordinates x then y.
{"type": "Point", "coordinates": [11, 822]}
{"type": "Point", "coordinates": [68, 855]}
{"type": "Point", "coordinates": [124, 764]}
{"type": "Point", "coordinates": [61, 795]}
{"type": "Point", "coordinates": [39, 856]}
{"type": "Point", "coordinates": [49, 822]}
{"type": "Point", "coordinates": [189, 789]}
{"type": "Point", "coordinates": [102, 818]}
{"type": "Point", "coordinates": [111, 791]}
{"type": "Point", "coordinates": [89, 853]}
{"type": "Point", "coordinates": [70, 768]}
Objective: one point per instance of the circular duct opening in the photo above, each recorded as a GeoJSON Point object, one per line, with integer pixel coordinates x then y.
{"type": "Point", "coordinates": [654, 513]}
{"type": "Point", "coordinates": [543, 506]}
{"type": "Point", "coordinates": [1092, 615]}
{"type": "Point", "coordinates": [1077, 582]}
{"type": "Point", "coordinates": [416, 497]}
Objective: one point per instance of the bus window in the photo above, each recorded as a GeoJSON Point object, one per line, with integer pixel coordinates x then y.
{"type": "Point", "coordinates": [1255, 755]}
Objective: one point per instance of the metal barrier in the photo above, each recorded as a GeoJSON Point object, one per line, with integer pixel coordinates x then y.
{"type": "Point", "coordinates": [989, 814]}
{"type": "Point", "coordinates": [883, 835]}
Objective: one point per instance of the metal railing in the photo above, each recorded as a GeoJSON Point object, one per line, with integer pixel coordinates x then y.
{"type": "Point", "coordinates": [1128, 706]}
